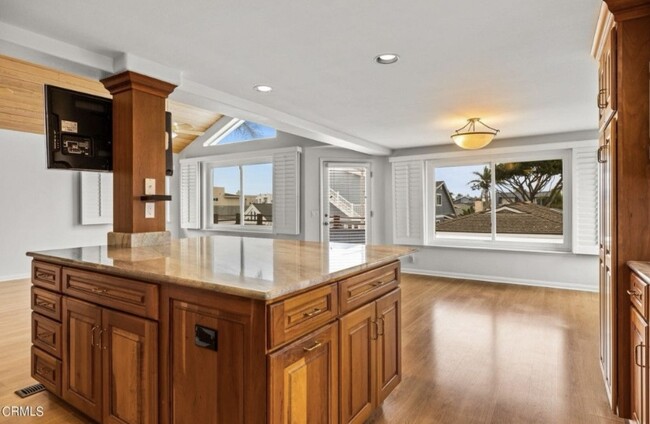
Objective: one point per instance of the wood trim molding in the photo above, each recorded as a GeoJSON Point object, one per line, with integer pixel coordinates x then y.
{"type": "Point", "coordinates": [605, 22]}
{"type": "Point", "coordinates": [628, 9]}
{"type": "Point", "coordinates": [129, 80]}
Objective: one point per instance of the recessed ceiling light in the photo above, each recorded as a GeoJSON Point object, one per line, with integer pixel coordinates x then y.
{"type": "Point", "coordinates": [263, 88]}
{"type": "Point", "coordinates": [386, 58]}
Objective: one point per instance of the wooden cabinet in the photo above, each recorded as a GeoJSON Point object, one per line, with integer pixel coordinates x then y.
{"type": "Point", "coordinates": [109, 363]}
{"type": "Point", "coordinates": [639, 364]}
{"type": "Point", "coordinates": [606, 98]}
{"type": "Point", "coordinates": [623, 109]}
{"type": "Point", "coordinates": [370, 356]}
{"type": "Point", "coordinates": [303, 379]}
{"type": "Point", "coordinates": [132, 352]}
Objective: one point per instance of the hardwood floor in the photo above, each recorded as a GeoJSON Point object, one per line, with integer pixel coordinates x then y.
{"type": "Point", "coordinates": [477, 352]}
{"type": "Point", "coordinates": [473, 352]}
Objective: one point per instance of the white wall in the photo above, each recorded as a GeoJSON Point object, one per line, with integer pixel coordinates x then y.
{"type": "Point", "coordinates": [40, 207]}
{"type": "Point", "coordinates": [562, 270]}
{"type": "Point", "coordinates": [313, 153]}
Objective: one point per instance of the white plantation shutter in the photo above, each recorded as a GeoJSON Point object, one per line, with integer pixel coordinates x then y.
{"type": "Point", "coordinates": [585, 204]}
{"type": "Point", "coordinates": [408, 202]}
{"type": "Point", "coordinates": [96, 198]}
{"type": "Point", "coordinates": [190, 199]}
{"type": "Point", "coordinates": [286, 193]}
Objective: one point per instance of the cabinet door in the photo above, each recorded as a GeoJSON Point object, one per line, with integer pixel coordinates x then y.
{"type": "Point", "coordinates": [358, 364]}
{"type": "Point", "coordinates": [303, 386]}
{"type": "Point", "coordinates": [389, 346]}
{"type": "Point", "coordinates": [130, 367]}
{"type": "Point", "coordinates": [607, 79]}
{"type": "Point", "coordinates": [639, 365]}
{"type": "Point", "coordinates": [82, 356]}
{"type": "Point", "coordinates": [607, 162]}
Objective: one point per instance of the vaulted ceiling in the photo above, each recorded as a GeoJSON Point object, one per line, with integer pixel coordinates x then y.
{"type": "Point", "coordinates": [523, 66]}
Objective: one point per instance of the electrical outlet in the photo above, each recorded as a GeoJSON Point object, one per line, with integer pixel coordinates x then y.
{"type": "Point", "coordinates": [149, 210]}
{"type": "Point", "coordinates": [149, 186]}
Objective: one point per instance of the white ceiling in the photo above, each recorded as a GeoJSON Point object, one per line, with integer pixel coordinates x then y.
{"type": "Point", "coordinates": [523, 66]}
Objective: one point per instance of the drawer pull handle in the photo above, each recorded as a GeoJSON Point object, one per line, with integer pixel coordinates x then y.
{"type": "Point", "coordinates": [45, 276]}
{"type": "Point", "coordinates": [634, 293]}
{"type": "Point", "coordinates": [315, 346]}
{"type": "Point", "coordinates": [92, 335]}
{"type": "Point", "coordinates": [44, 335]}
{"type": "Point", "coordinates": [45, 304]}
{"type": "Point", "coordinates": [380, 332]}
{"type": "Point", "coordinates": [602, 93]}
{"type": "Point", "coordinates": [99, 291]}
{"type": "Point", "coordinates": [314, 311]}
{"type": "Point", "coordinates": [636, 356]}
{"type": "Point", "coordinates": [42, 370]}
{"type": "Point", "coordinates": [379, 283]}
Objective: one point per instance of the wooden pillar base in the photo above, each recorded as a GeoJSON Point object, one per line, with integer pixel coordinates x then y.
{"type": "Point", "coordinates": [152, 238]}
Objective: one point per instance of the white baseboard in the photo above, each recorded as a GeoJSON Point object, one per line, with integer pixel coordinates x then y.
{"type": "Point", "coordinates": [506, 280]}
{"type": "Point", "coordinates": [14, 277]}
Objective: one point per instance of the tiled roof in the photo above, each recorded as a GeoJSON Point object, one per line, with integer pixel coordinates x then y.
{"type": "Point", "coordinates": [514, 218]}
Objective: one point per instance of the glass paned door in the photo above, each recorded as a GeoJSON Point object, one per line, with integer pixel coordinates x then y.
{"type": "Point", "coordinates": [345, 202]}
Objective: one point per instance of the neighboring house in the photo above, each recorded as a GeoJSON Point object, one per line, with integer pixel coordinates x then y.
{"type": "Point", "coordinates": [516, 218]}
{"type": "Point", "coordinates": [463, 203]}
{"type": "Point", "coordinates": [508, 198]}
{"type": "Point", "coordinates": [225, 206]}
{"type": "Point", "coordinates": [264, 198]}
{"type": "Point", "coordinates": [444, 203]}
{"type": "Point", "coordinates": [259, 213]}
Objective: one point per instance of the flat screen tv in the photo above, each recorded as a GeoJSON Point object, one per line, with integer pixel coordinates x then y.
{"type": "Point", "coordinates": [79, 130]}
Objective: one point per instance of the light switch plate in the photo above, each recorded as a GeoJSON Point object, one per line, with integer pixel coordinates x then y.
{"type": "Point", "coordinates": [149, 210]}
{"type": "Point", "coordinates": [149, 186]}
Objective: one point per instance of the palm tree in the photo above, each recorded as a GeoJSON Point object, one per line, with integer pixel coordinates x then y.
{"type": "Point", "coordinates": [482, 182]}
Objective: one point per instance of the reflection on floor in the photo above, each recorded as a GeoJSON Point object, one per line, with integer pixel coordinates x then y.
{"type": "Point", "coordinates": [477, 352]}
{"type": "Point", "coordinates": [472, 353]}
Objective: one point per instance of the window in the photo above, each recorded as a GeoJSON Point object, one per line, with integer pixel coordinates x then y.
{"type": "Point", "coordinates": [242, 195]}
{"type": "Point", "coordinates": [514, 198]}
{"type": "Point", "coordinates": [500, 202]}
{"type": "Point", "coordinates": [248, 191]}
{"type": "Point", "coordinates": [238, 130]}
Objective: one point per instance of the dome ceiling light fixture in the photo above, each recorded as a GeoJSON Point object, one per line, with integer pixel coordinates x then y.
{"type": "Point", "coordinates": [386, 58]}
{"type": "Point", "coordinates": [468, 137]}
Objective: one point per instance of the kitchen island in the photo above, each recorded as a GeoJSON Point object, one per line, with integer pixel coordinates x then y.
{"type": "Point", "coordinates": [219, 330]}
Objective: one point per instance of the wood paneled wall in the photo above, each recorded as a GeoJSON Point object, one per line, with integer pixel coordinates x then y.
{"type": "Point", "coordinates": [22, 103]}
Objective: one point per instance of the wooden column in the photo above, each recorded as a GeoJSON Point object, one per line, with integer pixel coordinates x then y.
{"type": "Point", "coordinates": [138, 153]}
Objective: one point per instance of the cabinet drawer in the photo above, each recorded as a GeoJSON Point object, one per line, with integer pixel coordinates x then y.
{"type": "Point", "coordinates": [362, 288]}
{"type": "Point", "coordinates": [125, 295]}
{"type": "Point", "coordinates": [298, 315]}
{"type": "Point", "coordinates": [46, 369]}
{"type": "Point", "coordinates": [46, 275]}
{"type": "Point", "coordinates": [46, 334]}
{"type": "Point", "coordinates": [639, 294]}
{"type": "Point", "coordinates": [46, 303]}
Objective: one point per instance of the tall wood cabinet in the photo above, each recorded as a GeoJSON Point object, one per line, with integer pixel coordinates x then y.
{"type": "Point", "coordinates": [622, 50]}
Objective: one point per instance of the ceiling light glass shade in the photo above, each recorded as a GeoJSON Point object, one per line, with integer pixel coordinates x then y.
{"type": "Point", "coordinates": [263, 88]}
{"type": "Point", "coordinates": [469, 138]}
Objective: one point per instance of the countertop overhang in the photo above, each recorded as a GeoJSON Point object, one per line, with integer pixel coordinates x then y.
{"type": "Point", "coordinates": [256, 268]}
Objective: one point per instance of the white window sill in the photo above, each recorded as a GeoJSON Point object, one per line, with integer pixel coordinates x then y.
{"type": "Point", "coordinates": [559, 250]}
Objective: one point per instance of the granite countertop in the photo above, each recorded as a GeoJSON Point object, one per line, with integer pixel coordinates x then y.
{"type": "Point", "coordinates": [642, 269]}
{"type": "Point", "coordinates": [250, 267]}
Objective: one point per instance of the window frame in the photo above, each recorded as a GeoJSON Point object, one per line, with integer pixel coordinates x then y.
{"type": "Point", "coordinates": [208, 206]}
{"type": "Point", "coordinates": [491, 159]}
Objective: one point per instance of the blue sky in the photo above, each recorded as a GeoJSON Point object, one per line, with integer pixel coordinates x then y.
{"type": "Point", "coordinates": [457, 177]}
{"type": "Point", "coordinates": [257, 178]}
